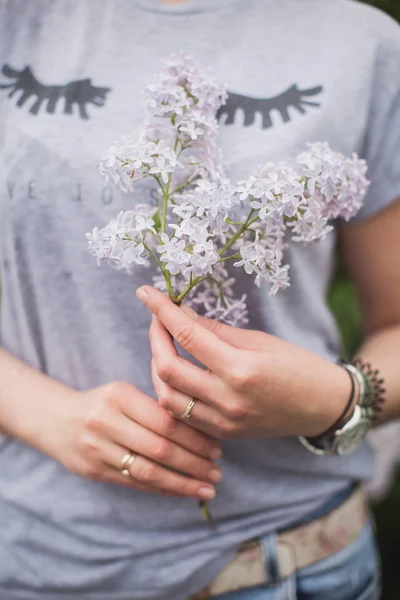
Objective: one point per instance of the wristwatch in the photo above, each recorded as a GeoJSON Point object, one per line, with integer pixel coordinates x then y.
{"type": "Point", "coordinates": [352, 427]}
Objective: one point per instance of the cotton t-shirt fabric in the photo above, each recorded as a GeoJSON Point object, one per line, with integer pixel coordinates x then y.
{"type": "Point", "coordinates": [298, 71]}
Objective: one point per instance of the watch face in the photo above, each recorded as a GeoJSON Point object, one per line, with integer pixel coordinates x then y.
{"type": "Point", "coordinates": [350, 439]}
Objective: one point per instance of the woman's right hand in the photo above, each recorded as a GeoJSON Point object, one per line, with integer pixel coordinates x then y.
{"type": "Point", "coordinates": [98, 427]}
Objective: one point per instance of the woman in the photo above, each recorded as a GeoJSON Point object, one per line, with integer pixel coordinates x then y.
{"type": "Point", "coordinates": [76, 388]}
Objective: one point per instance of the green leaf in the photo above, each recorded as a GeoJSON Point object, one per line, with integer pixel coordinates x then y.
{"type": "Point", "coordinates": [157, 222]}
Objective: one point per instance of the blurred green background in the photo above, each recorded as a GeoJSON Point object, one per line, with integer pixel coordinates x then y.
{"type": "Point", "coordinates": [345, 306]}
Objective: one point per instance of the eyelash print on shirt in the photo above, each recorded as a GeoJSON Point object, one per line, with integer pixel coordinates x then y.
{"type": "Point", "coordinates": [292, 97]}
{"type": "Point", "coordinates": [80, 92]}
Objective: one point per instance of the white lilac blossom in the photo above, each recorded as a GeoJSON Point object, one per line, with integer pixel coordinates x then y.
{"type": "Point", "coordinates": [189, 252]}
{"type": "Point", "coordinates": [126, 163]}
{"type": "Point", "coordinates": [336, 181]}
{"type": "Point", "coordinates": [201, 221]}
{"type": "Point", "coordinates": [120, 242]}
{"type": "Point", "coordinates": [232, 312]}
{"type": "Point", "coordinates": [182, 85]}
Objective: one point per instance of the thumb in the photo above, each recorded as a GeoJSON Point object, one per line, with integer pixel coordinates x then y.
{"type": "Point", "coordinates": [190, 312]}
{"type": "Point", "coordinates": [236, 337]}
{"type": "Point", "coordinates": [219, 329]}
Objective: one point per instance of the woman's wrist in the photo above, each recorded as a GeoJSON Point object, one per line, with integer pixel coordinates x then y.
{"type": "Point", "coordinates": [31, 404]}
{"type": "Point", "coordinates": [331, 404]}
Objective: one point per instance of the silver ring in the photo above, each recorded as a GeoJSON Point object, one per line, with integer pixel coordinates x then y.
{"type": "Point", "coordinates": [186, 413]}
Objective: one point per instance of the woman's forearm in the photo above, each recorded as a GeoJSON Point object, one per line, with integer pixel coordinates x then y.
{"type": "Point", "coordinates": [29, 400]}
{"type": "Point", "coordinates": [382, 350]}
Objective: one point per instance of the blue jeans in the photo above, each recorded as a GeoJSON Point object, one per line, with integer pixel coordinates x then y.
{"type": "Point", "coordinates": [351, 574]}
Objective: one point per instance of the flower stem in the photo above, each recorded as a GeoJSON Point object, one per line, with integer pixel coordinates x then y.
{"type": "Point", "coordinates": [187, 289]}
{"type": "Point", "coordinates": [165, 205]}
{"type": "Point", "coordinates": [163, 270]}
{"type": "Point", "coordinates": [165, 197]}
{"type": "Point", "coordinates": [167, 278]}
{"type": "Point", "coordinates": [187, 183]}
{"type": "Point", "coordinates": [207, 515]}
{"type": "Point", "coordinates": [154, 256]}
{"type": "Point", "coordinates": [236, 256]}
{"type": "Point", "coordinates": [249, 221]}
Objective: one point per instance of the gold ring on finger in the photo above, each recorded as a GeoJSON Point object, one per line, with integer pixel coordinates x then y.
{"type": "Point", "coordinates": [186, 413]}
{"type": "Point", "coordinates": [127, 462]}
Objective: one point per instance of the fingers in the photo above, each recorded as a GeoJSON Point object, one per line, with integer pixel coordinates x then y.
{"type": "Point", "coordinates": [148, 475]}
{"type": "Point", "coordinates": [151, 473]}
{"type": "Point", "coordinates": [235, 336]}
{"type": "Point", "coordinates": [110, 472]}
{"type": "Point", "coordinates": [167, 449]}
{"type": "Point", "coordinates": [180, 373]}
{"type": "Point", "coordinates": [206, 347]}
{"type": "Point", "coordinates": [129, 434]}
{"type": "Point", "coordinates": [144, 410]}
{"type": "Point", "coordinates": [202, 416]}
{"type": "Point", "coordinates": [112, 476]}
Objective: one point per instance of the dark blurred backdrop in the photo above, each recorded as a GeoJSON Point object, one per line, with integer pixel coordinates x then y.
{"type": "Point", "coordinates": [345, 307]}
{"type": "Point", "coordinates": [392, 7]}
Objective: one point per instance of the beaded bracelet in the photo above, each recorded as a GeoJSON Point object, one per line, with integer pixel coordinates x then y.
{"type": "Point", "coordinates": [373, 395]}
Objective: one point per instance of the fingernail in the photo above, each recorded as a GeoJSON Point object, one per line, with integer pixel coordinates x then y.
{"type": "Point", "coordinates": [207, 493]}
{"type": "Point", "coordinates": [142, 294]}
{"type": "Point", "coordinates": [215, 475]}
{"type": "Point", "coordinates": [215, 453]}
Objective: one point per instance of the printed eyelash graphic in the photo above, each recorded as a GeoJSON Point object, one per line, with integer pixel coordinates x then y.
{"type": "Point", "coordinates": [292, 97]}
{"type": "Point", "coordinates": [80, 92]}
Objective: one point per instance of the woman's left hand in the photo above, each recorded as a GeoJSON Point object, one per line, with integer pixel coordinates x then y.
{"type": "Point", "coordinates": [255, 384]}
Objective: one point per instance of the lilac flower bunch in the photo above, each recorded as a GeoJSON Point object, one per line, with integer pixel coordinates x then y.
{"type": "Point", "coordinates": [201, 220]}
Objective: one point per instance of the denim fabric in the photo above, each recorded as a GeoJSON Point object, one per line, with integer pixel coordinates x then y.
{"type": "Point", "coordinates": [351, 574]}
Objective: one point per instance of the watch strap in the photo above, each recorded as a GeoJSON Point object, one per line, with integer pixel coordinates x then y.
{"type": "Point", "coordinates": [324, 440]}
{"type": "Point", "coordinates": [346, 414]}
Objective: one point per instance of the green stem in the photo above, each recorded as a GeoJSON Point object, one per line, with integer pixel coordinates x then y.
{"type": "Point", "coordinates": [236, 256]}
{"type": "Point", "coordinates": [167, 278]}
{"type": "Point", "coordinates": [160, 185]}
{"type": "Point", "coordinates": [184, 185]}
{"type": "Point", "coordinates": [163, 221]}
{"type": "Point", "coordinates": [165, 205]}
{"type": "Point", "coordinates": [163, 270]}
{"type": "Point", "coordinates": [249, 221]}
{"type": "Point", "coordinates": [200, 278]}
{"type": "Point", "coordinates": [206, 513]}
{"type": "Point", "coordinates": [166, 192]}
{"type": "Point", "coordinates": [150, 251]}
{"type": "Point", "coordinates": [156, 177]}
{"type": "Point", "coordinates": [187, 289]}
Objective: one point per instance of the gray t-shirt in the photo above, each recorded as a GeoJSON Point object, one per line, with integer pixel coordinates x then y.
{"type": "Point", "coordinates": [72, 72]}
